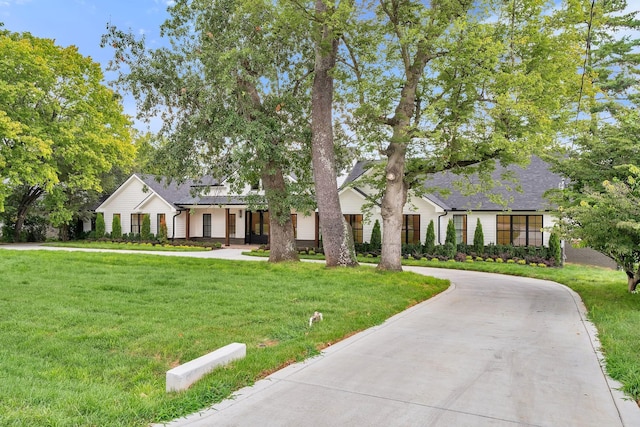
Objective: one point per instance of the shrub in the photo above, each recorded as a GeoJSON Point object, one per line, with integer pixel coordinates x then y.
{"type": "Point", "coordinates": [430, 239]}
{"type": "Point", "coordinates": [522, 261]}
{"type": "Point", "coordinates": [116, 227]}
{"type": "Point", "coordinates": [451, 234]}
{"type": "Point", "coordinates": [145, 231]}
{"type": "Point", "coordinates": [491, 260]}
{"type": "Point", "coordinates": [478, 239]}
{"type": "Point", "coordinates": [499, 260]}
{"type": "Point", "coordinates": [555, 249]}
{"type": "Point", "coordinates": [100, 226]}
{"type": "Point", "coordinates": [435, 259]}
{"type": "Point", "coordinates": [511, 261]}
{"type": "Point", "coordinates": [450, 250]}
{"type": "Point", "coordinates": [162, 231]}
{"type": "Point", "coordinates": [376, 237]}
{"type": "Point", "coordinates": [479, 258]}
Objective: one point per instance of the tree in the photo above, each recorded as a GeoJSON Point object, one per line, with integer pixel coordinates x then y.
{"type": "Point", "coordinates": [430, 239]}
{"type": "Point", "coordinates": [116, 227]}
{"type": "Point", "coordinates": [596, 205]}
{"type": "Point", "coordinates": [100, 226]}
{"type": "Point", "coordinates": [450, 87]}
{"type": "Point", "coordinates": [60, 128]}
{"type": "Point", "coordinates": [145, 230]}
{"type": "Point", "coordinates": [450, 241]}
{"type": "Point", "coordinates": [376, 237]}
{"type": "Point", "coordinates": [233, 93]}
{"type": "Point", "coordinates": [555, 247]}
{"type": "Point", "coordinates": [478, 238]}
{"type": "Point", "coordinates": [337, 238]}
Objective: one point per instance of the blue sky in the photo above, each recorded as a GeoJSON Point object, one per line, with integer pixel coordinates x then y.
{"type": "Point", "coordinates": [82, 23]}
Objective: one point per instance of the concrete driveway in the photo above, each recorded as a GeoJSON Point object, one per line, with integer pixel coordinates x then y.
{"type": "Point", "coordinates": [492, 350]}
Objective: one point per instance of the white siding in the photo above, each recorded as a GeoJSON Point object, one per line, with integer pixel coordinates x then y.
{"type": "Point", "coordinates": [306, 229]}
{"type": "Point", "coordinates": [130, 198]}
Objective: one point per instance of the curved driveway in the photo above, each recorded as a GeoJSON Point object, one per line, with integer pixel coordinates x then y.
{"type": "Point", "coordinates": [492, 350]}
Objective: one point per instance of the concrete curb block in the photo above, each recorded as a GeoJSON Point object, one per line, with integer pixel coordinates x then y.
{"type": "Point", "coordinates": [181, 377]}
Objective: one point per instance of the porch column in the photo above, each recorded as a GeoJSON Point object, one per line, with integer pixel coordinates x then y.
{"type": "Point", "coordinates": [226, 227]}
{"type": "Point", "coordinates": [188, 225]}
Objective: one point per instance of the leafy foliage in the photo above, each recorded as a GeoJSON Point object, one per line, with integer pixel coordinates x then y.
{"type": "Point", "coordinates": [555, 248]}
{"type": "Point", "coordinates": [61, 129]}
{"type": "Point", "coordinates": [451, 233]}
{"type": "Point", "coordinates": [145, 230]}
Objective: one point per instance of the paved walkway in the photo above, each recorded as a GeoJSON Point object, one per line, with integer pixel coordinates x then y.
{"type": "Point", "coordinates": [492, 350]}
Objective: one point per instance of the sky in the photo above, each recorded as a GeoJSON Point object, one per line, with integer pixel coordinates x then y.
{"type": "Point", "coordinates": [83, 22]}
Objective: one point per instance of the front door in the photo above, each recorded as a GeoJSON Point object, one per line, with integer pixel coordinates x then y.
{"type": "Point", "coordinates": [257, 228]}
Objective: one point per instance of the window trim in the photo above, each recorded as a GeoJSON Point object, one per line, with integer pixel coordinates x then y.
{"type": "Point", "coordinates": [415, 228]}
{"type": "Point", "coordinates": [463, 231]}
{"type": "Point", "coordinates": [205, 225]}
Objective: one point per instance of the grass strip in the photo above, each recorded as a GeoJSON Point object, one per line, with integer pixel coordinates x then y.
{"type": "Point", "coordinates": [132, 246]}
{"type": "Point", "coordinates": [87, 337]}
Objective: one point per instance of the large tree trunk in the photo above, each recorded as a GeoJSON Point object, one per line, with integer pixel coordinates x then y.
{"type": "Point", "coordinates": [393, 201]}
{"type": "Point", "coordinates": [29, 197]}
{"type": "Point", "coordinates": [337, 239]}
{"type": "Point", "coordinates": [282, 243]}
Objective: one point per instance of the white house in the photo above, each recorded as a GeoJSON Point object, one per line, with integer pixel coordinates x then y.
{"type": "Point", "coordinates": [208, 210]}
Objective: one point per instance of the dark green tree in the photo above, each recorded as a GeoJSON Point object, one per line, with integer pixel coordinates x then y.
{"type": "Point", "coordinates": [478, 239]}
{"type": "Point", "coordinates": [100, 226]}
{"type": "Point", "coordinates": [430, 239]}
{"type": "Point", "coordinates": [451, 239]}
{"type": "Point", "coordinates": [145, 230]}
{"type": "Point", "coordinates": [555, 248]}
{"type": "Point", "coordinates": [376, 237]}
{"type": "Point", "coordinates": [116, 227]}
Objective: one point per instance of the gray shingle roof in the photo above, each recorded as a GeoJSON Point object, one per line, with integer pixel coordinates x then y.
{"type": "Point", "coordinates": [175, 192]}
{"type": "Point", "coordinates": [532, 181]}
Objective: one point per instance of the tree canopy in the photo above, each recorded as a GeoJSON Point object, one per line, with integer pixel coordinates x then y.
{"type": "Point", "coordinates": [598, 205]}
{"type": "Point", "coordinates": [61, 129]}
{"type": "Point", "coordinates": [233, 92]}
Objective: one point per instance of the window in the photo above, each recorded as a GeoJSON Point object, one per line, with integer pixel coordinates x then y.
{"type": "Point", "coordinates": [206, 225]}
{"type": "Point", "coordinates": [460, 222]}
{"type": "Point", "coordinates": [519, 230]}
{"type": "Point", "coordinates": [231, 226]}
{"type": "Point", "coordinates": [116, 215]}
{"type": "Point", "coordinates": [136, 223]}
{"type": "Point", "coordinates": [355, 221]}
{"type": "Point", "coordinates": [411, 229]}
{"type": "Point", "coordinates": [294, 221]}
{"type": "Point", "coordinates": [160, 220]}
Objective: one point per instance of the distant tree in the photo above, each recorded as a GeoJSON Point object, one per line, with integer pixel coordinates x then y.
{"type": "Point", "coordinates": [478, 239]}
{"type": "Point", "coordinates": [61, 129]}
{"type": "Point", "coordinates": [145, 231]}
{"type": "Point", "coordinates": [430, 239]}
{"type": "Point", "coordinates": [100, 226]}
{"type": "Point", "coordinates": [116, 227]}
{"type": "Point", "coordinates": [376, 236]}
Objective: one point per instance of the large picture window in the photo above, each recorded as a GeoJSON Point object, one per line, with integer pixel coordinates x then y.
{"type": "Point", "coordinates": [161, 219]}
{"type": "Point", "coordinates": [411, 229]}
{"type": "Point", "coordinates": [355, 221]}
{"type": "Point", "coordinates": [460, 222]}
{"type": "Point", "coordinates": [519, 230]}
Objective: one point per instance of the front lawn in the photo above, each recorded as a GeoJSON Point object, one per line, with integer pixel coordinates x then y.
{"type": "Point", "coordinates": [86, 338]}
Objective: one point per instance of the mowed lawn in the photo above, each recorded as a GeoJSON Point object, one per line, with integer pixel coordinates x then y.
{"type": "Point", "coordinates": [86, 338]}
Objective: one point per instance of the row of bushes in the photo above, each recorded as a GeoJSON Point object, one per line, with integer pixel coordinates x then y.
{"type": "Point", "coordinates": [116, 230]}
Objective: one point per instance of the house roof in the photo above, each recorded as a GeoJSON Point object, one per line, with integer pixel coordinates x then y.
{"type": "Point", "coordinates": [525, 193]}
{"type": "Point", "coordinates": [174, 192]}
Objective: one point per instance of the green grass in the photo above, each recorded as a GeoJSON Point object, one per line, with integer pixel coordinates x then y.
{"type": "Point", "coordinates": [86, 338]}
{"type": "Point", "coordinates": [132, 246]}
